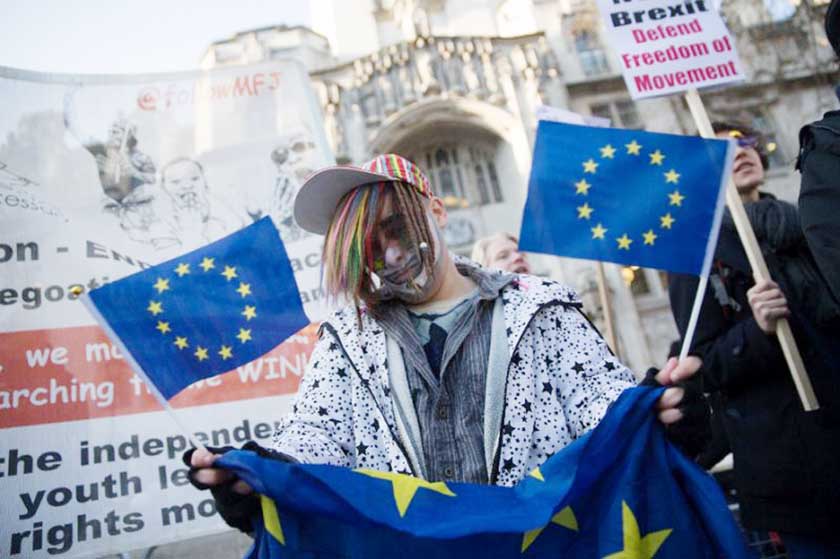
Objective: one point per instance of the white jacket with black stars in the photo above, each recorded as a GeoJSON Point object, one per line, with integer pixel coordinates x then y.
{"type": "Point", "coordinates": [560, 379]}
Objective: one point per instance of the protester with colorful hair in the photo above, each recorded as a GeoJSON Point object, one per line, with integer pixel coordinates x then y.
{"type": "Point", "coordinates": [436, 367]}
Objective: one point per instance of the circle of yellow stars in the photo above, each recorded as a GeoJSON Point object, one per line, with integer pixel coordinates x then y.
{"type": "Point", "coordinates": [207, 265]}
{"type": "Point", "coordinates": [655, 158]}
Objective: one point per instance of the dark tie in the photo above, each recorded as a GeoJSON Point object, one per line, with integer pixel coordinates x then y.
{"type": "Point", "coordinates": [434, 348]}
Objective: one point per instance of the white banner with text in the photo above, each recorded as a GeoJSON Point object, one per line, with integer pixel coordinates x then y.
{"type": "Point", "coordinates": [667, 46]}
{"type": "Point", "coordinates": [101, 176]}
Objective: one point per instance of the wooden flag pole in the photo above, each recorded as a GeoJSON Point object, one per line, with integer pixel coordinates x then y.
{"type": "Point", "coordinates": [759, 266]}
{"type": "Point", "coordinates": [604, 295]}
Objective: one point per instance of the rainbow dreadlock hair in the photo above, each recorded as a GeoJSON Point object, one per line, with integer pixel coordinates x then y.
{"type": "Point", "coordinates": [348, 256]}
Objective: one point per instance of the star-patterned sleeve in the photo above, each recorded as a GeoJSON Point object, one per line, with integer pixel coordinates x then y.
{"type": "Point", "coordinates": [588, 376]}
{"type": "Point", "coordinates": [319, 428]}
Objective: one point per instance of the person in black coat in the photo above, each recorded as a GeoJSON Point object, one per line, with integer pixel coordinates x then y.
{"type": "Point", "coordinates": [819, 163]}
{"type": "Point", "coordinates": [787, 461]}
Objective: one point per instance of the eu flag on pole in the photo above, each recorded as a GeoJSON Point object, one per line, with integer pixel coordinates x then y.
{"type": "Point", "coordinates": [206, 312]}
{"type": "Point", "coordinates": [621, 491]}
{"type": "Point", "coordinates": [625, 196]}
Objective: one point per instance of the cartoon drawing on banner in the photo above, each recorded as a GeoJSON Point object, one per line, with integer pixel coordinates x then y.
{"type": "Point", "coordinates": [197, 216]}
{"type": "Point", "coordinates": [10, 179]}
{"type": "Point", "coordinates": [18, 199]}
{"type": "Point", "coordinates": [293, 161]}
{"type": "Point", "coordinates": [122, 166]}
{"type": "Point", "coordinates": [141, 216]}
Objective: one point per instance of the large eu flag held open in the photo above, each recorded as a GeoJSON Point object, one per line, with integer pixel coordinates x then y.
{"type": "Point", "coordinates": [625, 196]}
{"type": "Point", "coordinates": [206, 312]}
{"type": "Point", "coordinates": [620, 492]}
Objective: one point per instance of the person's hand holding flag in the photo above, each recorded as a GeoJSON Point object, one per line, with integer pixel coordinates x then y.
{"type": "Point", "coordinates": [673, 375]}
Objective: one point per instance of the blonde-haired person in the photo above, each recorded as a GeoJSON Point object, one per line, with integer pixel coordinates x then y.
{"type": "Point", "coordinates": [501, 251]}
{"type": "Point", "coordinates": [414, 374]}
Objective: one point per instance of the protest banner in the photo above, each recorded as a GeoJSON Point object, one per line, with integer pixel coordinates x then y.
{"type": "Point", "coordinates": [101, 177]}
{"type": "Point", "coordinates": [667, 46]}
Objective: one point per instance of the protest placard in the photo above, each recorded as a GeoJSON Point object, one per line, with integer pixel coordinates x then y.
{"type": "Point", "coordinates": [665, 46]}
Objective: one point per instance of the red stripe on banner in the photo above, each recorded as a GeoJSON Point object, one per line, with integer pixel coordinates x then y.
{"type": "Point", "coordinates": [67, 374]}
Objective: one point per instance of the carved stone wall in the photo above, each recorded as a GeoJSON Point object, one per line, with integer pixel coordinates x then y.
{"type": "Point", "coordinates": [361, 95]}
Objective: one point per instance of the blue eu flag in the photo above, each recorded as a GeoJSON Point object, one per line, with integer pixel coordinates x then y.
{"type": "Point", "coordinates": [621, 491]}
{"type": "Point", "coordinates": [206, 312]}
{"type": "Point", "coordinates": [625, 196]}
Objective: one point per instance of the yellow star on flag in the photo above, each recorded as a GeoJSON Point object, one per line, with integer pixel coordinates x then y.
{"type": "Point", "coordinates": [271, 520]}
{"type": "Point", "coordinates": [161, 285]}
{"type": "Point", "coordinates": [676, 198]}
{"type": "Point", "coordinates": [672, 176]}
{"type": "Point", "coordinates": [207, 264]}
{"type": "Point", "coordinates": [244, 335]}
{"type": "Point", "coordinates": [584, 211]}
{"type": "Point", "coordinates": [225, 352]}
{"type": "Point", "coordinates": [636, 546]}
{"type": "Point", "coordinates": [182, 269]}
{"type": "Point", "coordinates": [608, 152]}
{"type": "Point", "coordinates": [565, 518]}
{"type": "Point", "coordinates": [590, 166]}
{"type": "Point", "coordinates": [244, 288]}
{"type": "Point", "coordinates": [598, 231]}
{"type": "Point", "coordinates": [582, 187]}
{"type": "Point", "coordinates": [656, 158]}
{"type": "Point", "coordinates": [163, 327]}
{"type": "Point", "coordinates": [155, 307]}
{"type": "Point", "coordinates": [650, 236]}
{"type": "Point", "coordinates": [181, 342]}
{"type": "Point", "coordinates": [633, 148]}
{"type": "Point", "coordinates": [666, 221]}
{"type": "Point", "coordinates": [624, 242]}
{"type": "Point", "coordinates": [406, 486]}
{"type": "Point", "coordinates": [249, 312]}
{"type": "Point", "coordinates": [537, 474]}
{"type": "Point", "coordinates": [229, 273]}
{"type": "Point", "coordinates": [200, 353]}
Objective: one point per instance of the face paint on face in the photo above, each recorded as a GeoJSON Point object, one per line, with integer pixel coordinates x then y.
{"type": "Point", "coordinates": [398, 271]}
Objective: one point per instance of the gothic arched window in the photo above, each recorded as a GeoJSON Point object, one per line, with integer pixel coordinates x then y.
{"type": "Point", "coordinates": [463, 175]}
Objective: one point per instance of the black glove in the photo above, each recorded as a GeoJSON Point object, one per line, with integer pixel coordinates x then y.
{"type": "Point", "coordinates": [693, 432]}
{"type": "Point", "coordinates": [235, 509]}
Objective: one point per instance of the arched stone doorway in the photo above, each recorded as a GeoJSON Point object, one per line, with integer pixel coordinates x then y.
{"type": "Point", "coordinates": [476, 155]}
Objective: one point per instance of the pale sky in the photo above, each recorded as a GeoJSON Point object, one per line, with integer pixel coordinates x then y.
{"type": "Point", "coordinates": [122, 36]}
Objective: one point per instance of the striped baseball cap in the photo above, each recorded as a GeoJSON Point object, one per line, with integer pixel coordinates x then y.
{"type": "Point", "coordinates": [318, 198]}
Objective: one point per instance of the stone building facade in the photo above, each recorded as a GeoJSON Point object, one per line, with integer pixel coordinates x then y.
{"type": "Point", "coordinates": [455, 86]}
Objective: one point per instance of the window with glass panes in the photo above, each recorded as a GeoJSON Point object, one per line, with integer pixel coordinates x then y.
{"type": "Point", "coordinates": [593, 60]}
{"type": "Point", "coordinates": [463, 175]}
{"type": "Point", "coordinates": [622, 114]}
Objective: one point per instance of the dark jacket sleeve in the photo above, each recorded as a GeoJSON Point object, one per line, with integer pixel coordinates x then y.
{"type": "Point", "coordinates": [718, 446]}
{"type": "Point", "coordinates": [734, 351]}
{"type": "Point", "coordinates": [819, 195]}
